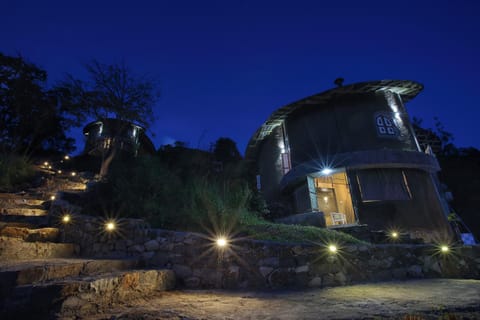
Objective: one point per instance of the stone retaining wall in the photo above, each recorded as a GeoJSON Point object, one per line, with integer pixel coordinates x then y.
{"type": "Point", "coordinates": [199, 263]}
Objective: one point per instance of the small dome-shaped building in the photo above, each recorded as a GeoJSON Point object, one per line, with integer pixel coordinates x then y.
{"type": "Point", "coordinates": [350, 154]}
{"type": "Point", "coordinates": [129, 137]}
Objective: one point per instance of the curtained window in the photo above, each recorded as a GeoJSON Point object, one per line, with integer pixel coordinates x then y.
{"type": "Point", "coordinates": [383, 184]}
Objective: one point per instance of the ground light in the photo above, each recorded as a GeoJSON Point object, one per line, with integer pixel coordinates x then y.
{"type": "Point", "coordinates": [332, 248]}
{"type": "Point", "coordinates": [73, 173]}
{"type": "Point", "coordinates": [66, 157]}
{"type": "Point", "coordinates": [221, 242]}
{"type": "Point", "coordinates": [110, 226]}
{"type": "Point", "coordinates": [52, 198]}
{"type": "Point", "coordinates": [394, 235]}
{"type": "Point", "coordinates": [66, 219]}
{"type": "Point", "coordinates": [444, 249]}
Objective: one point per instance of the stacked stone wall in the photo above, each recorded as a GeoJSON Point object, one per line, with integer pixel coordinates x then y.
{"type": "Point", "coordinates": [243, 263]}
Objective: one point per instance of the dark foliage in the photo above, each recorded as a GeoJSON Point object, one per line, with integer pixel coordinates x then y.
{"type": "Point", "coordinates": [31, 117]}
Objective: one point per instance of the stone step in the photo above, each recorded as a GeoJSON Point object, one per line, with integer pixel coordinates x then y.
{"type": "Point", "coordinates": [31, 211]}
{"type": "Point", "coordinates": [17, 249]}
{"type": "Point", "coordinates": [20, 199]}
{"type": "Point", "coordinates": [80, 297]}
{"type": "Point", "coordinates": [31, 235]}
{"type": "Point", "coordinates": [36, 221]}
{"type": "Point", "coordinates": [16, 273]}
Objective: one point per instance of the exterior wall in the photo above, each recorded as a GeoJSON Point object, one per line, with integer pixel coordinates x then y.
{"type": "Point", "coordinates": [422, 216]}
{"type": "Point", "coordinates": [267, 264]}
{"type": "Point", "coordinates": [347, 124]}
{"type": "Point", "coordinates": [269, 165]}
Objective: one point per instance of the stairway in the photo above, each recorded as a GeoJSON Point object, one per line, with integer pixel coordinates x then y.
{"type": "Point", "coordinates": [43, 278]}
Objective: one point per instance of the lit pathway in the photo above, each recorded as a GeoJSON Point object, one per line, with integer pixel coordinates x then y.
{"type": "Point", "coordinates": [421, 299]}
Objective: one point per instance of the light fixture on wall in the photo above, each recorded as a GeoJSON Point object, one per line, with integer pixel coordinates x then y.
{"type": "Point", "coordinates": [326, 171]}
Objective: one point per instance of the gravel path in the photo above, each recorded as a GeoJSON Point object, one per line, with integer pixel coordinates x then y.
{"type": "Point", "coordinates": [412, 300]}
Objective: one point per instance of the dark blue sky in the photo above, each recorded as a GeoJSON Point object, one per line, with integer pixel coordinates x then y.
{"type": "Point", "coordinates": [225, 66]}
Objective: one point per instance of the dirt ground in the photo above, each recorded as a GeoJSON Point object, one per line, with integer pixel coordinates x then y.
{"type": "Point", "coordinates": [412, 300]}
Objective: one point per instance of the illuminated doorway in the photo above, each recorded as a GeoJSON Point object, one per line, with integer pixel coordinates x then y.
{"type": "Point", "coordinates": [334, 199]}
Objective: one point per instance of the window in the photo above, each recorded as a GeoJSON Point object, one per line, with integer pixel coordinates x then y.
{"type": "Point", "coordinates": [286, 166]}
{"type": "Point", "coordinates": [386, 126]}
{"type": "Point", "coordinates": [383, 184]}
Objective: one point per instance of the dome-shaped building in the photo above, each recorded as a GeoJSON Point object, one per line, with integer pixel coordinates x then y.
{"type": "Point", "coordinates": [350, 154]}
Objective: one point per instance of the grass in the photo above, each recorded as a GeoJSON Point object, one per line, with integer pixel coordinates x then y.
{"type": "Point", "coordinates": [257, 228]}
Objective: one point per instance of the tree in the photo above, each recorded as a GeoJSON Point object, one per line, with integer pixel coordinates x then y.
{"type": "Point", "coordinates": [31, 119]}
{"type": "Point", "coordinates": [225, 150]}
{"type": "Point", "coordinates": [112, 91]}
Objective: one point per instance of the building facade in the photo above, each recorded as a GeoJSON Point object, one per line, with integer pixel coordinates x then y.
{"type": "Point", "coordinates": [129, 137]}
{"type": "Point", "coordinates": [350, 154]}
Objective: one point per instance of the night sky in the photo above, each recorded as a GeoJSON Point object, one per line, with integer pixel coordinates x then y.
{"type": "Point", "coordinates": [225, 66]}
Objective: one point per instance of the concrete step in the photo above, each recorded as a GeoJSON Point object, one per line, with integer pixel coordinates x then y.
{"type": "Point", "coordinates": [31, 211]}
{"type": "Point", "coordinates": [31, 235]}
{"type": "Point", "coordinates": [83, 296]}
{"type": "Point", "coordinates": [17, 249]}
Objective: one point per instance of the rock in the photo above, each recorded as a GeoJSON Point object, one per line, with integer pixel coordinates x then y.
{"type": "Point", "coordinates": [192, 282]}
{"type": "Point", "coordinates": [152, 245]}
{"type": "Point", "coordinates": [302, 269]}
{"type": "Point", "coordinates": [415, 271]}
{"type": "Point", "coordinates": [182, 271]}
{"type": "Point", "coordinates": [265, 271]}
{"type": "Point", "coordinates": [315, 282]}
{"type": "Point", "coordinates": [340, 278]}
{"type": "Point", "coordinates": [270, 262]}
{"type": "Point", "coordinates": [136, 249]}
{"type": "Point", "coordinates": [399, 273]}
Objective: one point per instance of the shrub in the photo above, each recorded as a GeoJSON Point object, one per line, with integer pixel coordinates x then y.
{"type": "Point", "coordinates": [14, 170]}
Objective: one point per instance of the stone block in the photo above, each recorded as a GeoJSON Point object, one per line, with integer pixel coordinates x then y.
{"type": "Point", "coordinates": [316, 282]}
{"type": "Point", "coordinates": [415, 271]}
{"type": "Point", "coordinates": [152, 245]}
{"type": "Point", "coordinates": [269, 262]}
{"type": "Point", "coordinates": [265, 271]}
{"type": "Point", "coordinates": [302, 269]}
{"type": "Point", "coordinates": [182, 271]}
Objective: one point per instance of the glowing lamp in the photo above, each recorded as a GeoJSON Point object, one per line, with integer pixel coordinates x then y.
{"type": "Point", "coordinates": [110, 226]}
{"type": "Point", "coordinates": [66, 157]}
{"type": "Point", "coordinates": [332, 248]}
{"type": "Point", "coordinates": [45, 164]}
{"type": "Point", "coordinates": [326, 171]}
{"type": "Point", "coordinates": [73, 174]}
{"type": "Point", "coordinates": [444, 249]}
{"type": "Point", "coordinates": [52, 198]}
{"type": "Point", "coordinates": [66, 218]}
{"type": "Point", "coordinates": [221, 242]}
{"type": "Point", "coordinates": [394, 235]}
{"type": "Point", "coordinates": [59, 171]}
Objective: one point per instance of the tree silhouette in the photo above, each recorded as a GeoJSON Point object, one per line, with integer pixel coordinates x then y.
{"type": "Point", "coordinates": [113, 91]}
{"type": "Point", "coordinates": [31, 119]}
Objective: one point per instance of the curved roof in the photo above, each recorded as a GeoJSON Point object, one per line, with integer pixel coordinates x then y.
{"type": "Point", "coordinates": [405, 88]}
